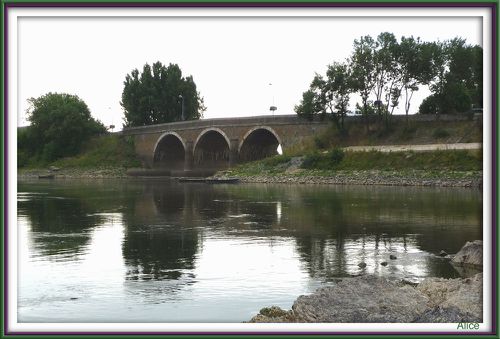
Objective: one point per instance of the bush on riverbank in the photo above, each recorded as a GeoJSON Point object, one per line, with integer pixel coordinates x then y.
{"type": "Point", "coordinates": [104, 151]}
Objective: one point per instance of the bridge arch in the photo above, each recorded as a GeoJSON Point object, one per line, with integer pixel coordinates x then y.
{"type": "Point", "coordinates": [258, 143]}
{"type": "Point", "coordinates": [169, 151]}
{"type": "Point", "coordinates": [211, 149]}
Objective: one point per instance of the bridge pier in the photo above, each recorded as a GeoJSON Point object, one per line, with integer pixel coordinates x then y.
{"type": "Point", "coordinates": [188, 156]}
{"type": "Point", "coordinates": [233, 152]}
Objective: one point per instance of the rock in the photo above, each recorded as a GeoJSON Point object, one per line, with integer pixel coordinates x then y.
{"type": "Point", "coordinates": [409, 283]}
{"type": "Point", "coordinates": [467, 271]}
{"type": "Point", "coordinates": [443, 253]}
{"type": "Point", "coordinates": [362, 265]}
{"type": "Point", "coordinates": [470, 254]}
{"type": "Point", "coordinates": [464, 294]}
{"type": "Point", "coordinates": [384, 263]}
{"type": "Point", "coordinates": [446, 315]}
{"type": "Point", "coordinates": [371, 299]}
{"type": "Point", "coordinates": [392, 257]}
{"type": "Point", "coordinates": [273, 314]}
{"type": "Point", "coordinates": [362, 299]}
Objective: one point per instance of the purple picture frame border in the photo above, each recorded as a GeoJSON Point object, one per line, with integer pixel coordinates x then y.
{"type": "Point", "coordinates": [494, 26]}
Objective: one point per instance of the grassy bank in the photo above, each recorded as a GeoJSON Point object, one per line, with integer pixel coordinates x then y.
{"type": "Point", "coordinates": [430, 168]}
{"type": "Point", "coordinates": [332, 161]}
{"type": "Point", "coordinates": [105, 152]}
{"type": "Point", "coordinates": [398, 133]}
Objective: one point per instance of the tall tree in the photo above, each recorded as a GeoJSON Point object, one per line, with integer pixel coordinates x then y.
{"type": "Point", "coordinates": [456, 84]}
{"type": "Point", "coordinates": [363, 71]}
{"type": "Point", "coordinates": [60, 124]}
{"type": "Point", "coordinates": [157, 95]}
{"type": "Point", "coordinates": [415, 68]}
{"type": "Point", "coordinates": [388, 79]}
{"type": "Point", "coordinates": [328, 97]}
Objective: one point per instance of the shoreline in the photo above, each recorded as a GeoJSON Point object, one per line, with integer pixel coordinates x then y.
{"type": "Point", "coordinates": [418, 178]}
{"type": "Point", "coordinates": [468, 179]}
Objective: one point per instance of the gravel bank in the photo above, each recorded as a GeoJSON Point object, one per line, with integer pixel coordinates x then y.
{"type": "Point", "coordinates": [388, 178]}
{"type": "Point", "coordinates": [73, 173]}
{"type": "Point", "coordinates": [373, 177]}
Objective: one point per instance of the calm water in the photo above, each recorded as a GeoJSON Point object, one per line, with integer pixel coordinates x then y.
{"type": "Point", "coordinates": [159, 251]}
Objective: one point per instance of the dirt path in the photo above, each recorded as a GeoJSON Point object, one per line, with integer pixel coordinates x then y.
{"type": "Point", "coordinates": [430, 147]}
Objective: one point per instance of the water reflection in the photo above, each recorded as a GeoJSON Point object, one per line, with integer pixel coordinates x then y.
{"type": "Point", "coordinates": [191, 244]}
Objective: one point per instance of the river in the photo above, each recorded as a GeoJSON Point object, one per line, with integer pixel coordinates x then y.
{"type": "Point", "coordinates": [162, 251]}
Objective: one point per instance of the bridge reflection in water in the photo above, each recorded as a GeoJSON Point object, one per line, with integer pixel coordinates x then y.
{"type": "Point", "coordinates": [198, 252]}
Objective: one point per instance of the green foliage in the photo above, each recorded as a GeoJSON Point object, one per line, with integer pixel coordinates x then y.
{"type": "Point", "coordinates": [440, 133]}
{"type": "Point", "coordinates": [323, 161]}
{"type": "Point", "coordinates": [459, 160]}
{"type": "Point", "coordinates": [105, 151]}
{"type": "Point", "coordinates": [457, 84]}
{"type": "Point", "coordinates": [384, 70]}
{"type": "Point", "coordinates": [276, 160]}
{"type": "Point", "coordinates": [320, 142]}
{"type": "Point", "coordinates": [430, 105]}
{"type": "Point", "coordinates": [152, 97]}
{"type": "Point", "coordinates": [60, 125]}
{"type": "Point", "coordinates": [408, 132]}
{"type": "Point", "coordinates": [328, 97]}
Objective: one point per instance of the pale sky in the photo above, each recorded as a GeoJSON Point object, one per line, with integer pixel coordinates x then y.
{"type": "Point", "coordinates": [232, 60]}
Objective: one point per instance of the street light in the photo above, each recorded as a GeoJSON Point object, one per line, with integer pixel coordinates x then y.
{"type": "Point", "coordinates": [181, 98]}
{"type": "Point", "coordinates": [272, 108]}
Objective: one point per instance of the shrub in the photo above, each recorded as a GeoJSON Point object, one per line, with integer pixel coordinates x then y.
{"type": "Point", "coordinates": [336, 155]}
{"type": "Point", "coordinates": [320, 143]}
{"type": "Point", "coordinates": [324, 161]}
{"type": "Point", "coordinates": [276, 160]}
{"type": "Point", "coordinates": [440, 133]}
{"type": "Point", "coordinates": [311, 160]}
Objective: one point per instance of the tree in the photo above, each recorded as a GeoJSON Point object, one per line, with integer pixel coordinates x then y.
{"type": "Point", "coordinates": [60, 124]}
{"type": "Point", "coordinates": [153, 96]}
{"type": "Point", "coordinates": [328, 97]}
{"type": "Point", "coordinates": [415, 67]}
{"type": "Point", "coordinates": [456, 84]}
{"type": "Point", "coordinates": [339, 86]}
{"type": "Point", "coordinates": [363, 71]}
{"type": "Point", "coordinates": [388, 79]}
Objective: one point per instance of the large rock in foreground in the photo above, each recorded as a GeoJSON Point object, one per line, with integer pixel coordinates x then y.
{"type": "Point", "coordinates": [371, 299]}
{"type": "Point", "coordinates": [470, 254]}
{"type": "Point", "coordinates": [464, 294]}
{"type": "Point", "coordinates": [366, 299]}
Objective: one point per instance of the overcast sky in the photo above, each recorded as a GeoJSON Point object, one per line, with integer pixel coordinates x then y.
{"type": "Point", "coordinates": [233, 60]}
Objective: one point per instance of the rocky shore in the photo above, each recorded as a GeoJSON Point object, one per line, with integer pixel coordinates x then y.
{"type": "Point", "coordinates": [372, 177]}
{"type": "Point", "coordinates": [74, 173]}
{"type": "Point", "coordinates": [373, 299]}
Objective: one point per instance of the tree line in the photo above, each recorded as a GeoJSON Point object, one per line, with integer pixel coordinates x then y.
{"type": "Point", "coordinates": [61, 123]}
{"type": "Point", "coordinates": [385, 73]}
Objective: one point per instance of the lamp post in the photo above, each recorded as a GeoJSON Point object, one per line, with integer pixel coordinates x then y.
{"type": "Point", "coordinates": [272, 108]}
{"type": "Point", "coordinates": [181, 98]}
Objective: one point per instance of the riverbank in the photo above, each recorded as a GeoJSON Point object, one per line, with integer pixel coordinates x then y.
{"type": "Point", "coordinates": [433, 167]}
{"type": "Point", "coordinates": [473, 179]}
{"type": "Point", "coordinates": [74, 173]}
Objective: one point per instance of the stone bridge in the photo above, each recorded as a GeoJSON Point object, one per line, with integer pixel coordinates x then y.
{"type": "Point", "coordinates": [201, 147]}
